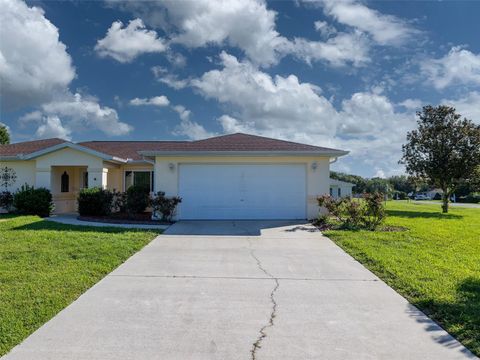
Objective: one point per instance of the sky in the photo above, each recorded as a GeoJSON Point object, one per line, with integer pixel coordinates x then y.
{"type": "Point", "coordinates": [343, 74]}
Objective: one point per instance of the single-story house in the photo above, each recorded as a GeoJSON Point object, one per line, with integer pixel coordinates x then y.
{"type": "Point", "coordinates": [340, 189]}
{"type": "Point", "coordinates": [235, 176]}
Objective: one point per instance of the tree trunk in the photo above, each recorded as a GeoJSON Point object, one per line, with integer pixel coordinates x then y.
{"type": "Point", "coordinates": [445, 197]}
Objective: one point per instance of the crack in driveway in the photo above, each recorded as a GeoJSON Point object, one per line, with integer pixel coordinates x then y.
{"type": "Point", "coordinates": [262, 333]}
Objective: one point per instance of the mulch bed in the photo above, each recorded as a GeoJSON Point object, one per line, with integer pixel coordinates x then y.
{"type": "Point", "coordinates": [123, 218]}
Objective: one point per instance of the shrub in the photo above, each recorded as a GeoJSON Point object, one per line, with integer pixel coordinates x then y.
{"type": "Point", "coordinates": [137, 199]}
{"type": "Point", "coordinates": [31, 201]}
{"type": "Point", "coordinates": [119, 203]}
{"type": "Point", "coordinates": [470, 198]}
{"type": "Point", "coordinates": [95, 202]}
{"type": "Point", "coordinates": [6, 200]}
{"type": "Point", "coordinates": [367, 213]}
{"type": "Point", "coordinates": [399, 195]}
{"type": "Point", "coordinates": [373, 210]}
{"type": "Point", "coordinates": [165, 206]}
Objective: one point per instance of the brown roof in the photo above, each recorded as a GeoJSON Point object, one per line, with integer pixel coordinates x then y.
{"type": "Point", "coordinates": [28, 147]}
{"type": "Point", "coordinates": [127, 149]}
{"type": "Point", "coordinates": [130, 149]}
{"type": "Point", "coordinates": [234, 142]}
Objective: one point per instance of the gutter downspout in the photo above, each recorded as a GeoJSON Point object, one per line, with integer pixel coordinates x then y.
{"type": "Point", "coordinates": [334, 161]}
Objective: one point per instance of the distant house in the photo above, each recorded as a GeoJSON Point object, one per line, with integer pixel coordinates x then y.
{"type": "Point", "coordinates": [340, 189]}
{"type": "Point", "coordinates": [434, 194]}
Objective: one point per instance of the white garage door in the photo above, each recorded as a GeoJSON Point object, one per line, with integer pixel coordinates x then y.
{"type": "Point", "coordinates": [242, 191]}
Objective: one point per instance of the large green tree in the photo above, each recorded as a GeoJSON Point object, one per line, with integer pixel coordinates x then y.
{"type": "Point", "coordinates": [4, 135]}
{"type": "Point", "coordinates": [444, 150]}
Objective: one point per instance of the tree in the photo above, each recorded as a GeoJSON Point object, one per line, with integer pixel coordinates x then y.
{"type": "Point", "coordinates": [444, 150]}
{"type": "Point", "coordinates": [4, 135]}
{"type": "Point", "coordinates": [402, 183]}
{"type": "Point", "coordinates": [378, 185]}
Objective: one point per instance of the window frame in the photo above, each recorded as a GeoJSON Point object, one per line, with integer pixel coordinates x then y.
{"type": "Point", "coordinates": [152, 177]}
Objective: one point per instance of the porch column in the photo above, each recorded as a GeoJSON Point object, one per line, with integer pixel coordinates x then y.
{"type": "Point", "coordinates": [97, 177]}
{"type": "Point", "coordinates": [43, 178]}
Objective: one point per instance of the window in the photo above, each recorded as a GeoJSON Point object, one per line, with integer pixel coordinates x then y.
{"type": "Point", "coordinates": [85, 179]}
{"type": "Point", "coordinates": [64, 182]}
{"type": "Point", "coordinates": [139, 178]}
{"type": "Point", "coordinates": [331, 192]}
{"type": "Point", "coordinates": [339, 192]}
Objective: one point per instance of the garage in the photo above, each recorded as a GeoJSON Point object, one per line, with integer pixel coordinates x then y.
{"type": "Point", "coordinates": [242, 191]}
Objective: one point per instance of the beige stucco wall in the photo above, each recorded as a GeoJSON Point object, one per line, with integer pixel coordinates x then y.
{"type": "Point", "coordinates": [25, 171]}
{"type": "Point", "coordinates": [317, 180]}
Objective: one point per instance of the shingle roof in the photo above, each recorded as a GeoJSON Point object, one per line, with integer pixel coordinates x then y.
{"type": "Point", "coordinates": [28, 147]}
{"type": "Point", "coordinates": [226, 143]}
{"type": "Point", "coordinates": [128, 149]}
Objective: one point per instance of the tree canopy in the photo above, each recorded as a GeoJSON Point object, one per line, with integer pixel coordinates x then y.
{"type": "Point", "coordinates": [444, 150]}
{"type": "Point", "coordinates": [4, 135]}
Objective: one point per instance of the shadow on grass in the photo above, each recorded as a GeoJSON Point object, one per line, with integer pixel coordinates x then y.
{"type": "Point", "coordinates": [461, 317]}
{"type": "Point", "coordinates": [422, 214]}
{"type": "Point", "coordinates": [54, 226]}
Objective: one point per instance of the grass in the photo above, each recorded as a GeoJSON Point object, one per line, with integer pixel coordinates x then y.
{"type": "Point", "coordinates": [44, 266]}
{"type": "Point", "coordinates": [435, 264]}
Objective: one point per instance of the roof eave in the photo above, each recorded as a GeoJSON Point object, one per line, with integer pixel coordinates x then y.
{"type": "Point", "coordinates": [330, 154]}
{"type": "Point", "coordinates": [70, 145]}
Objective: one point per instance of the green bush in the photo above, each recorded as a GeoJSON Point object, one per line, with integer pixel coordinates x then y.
{"type": "Point", "coordinates": [95, 202]}
{"type": "Point", "coordinates": [119, 203]}
{"type": "Point", "coordinates": [6, 200]}
{"type": "Point", "coordinates": [473, 198]}
{"type": "Point", "coordinates": [367, 213]}
{"type": "Point", "coordinates": [138, 199]}
{"type": "Point", "coordinates": [399, 195]}
{"type": "Point", "coordinates": [165, 205]}
{"type": "Point", "coordinates": [31, 201]}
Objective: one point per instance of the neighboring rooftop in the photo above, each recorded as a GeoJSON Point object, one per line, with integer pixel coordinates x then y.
{"type": "Point", "coordinates": [133, 149]}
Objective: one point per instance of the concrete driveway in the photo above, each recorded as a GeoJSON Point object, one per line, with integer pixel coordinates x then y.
{"type": "Point", "coordinates": [240, 290]}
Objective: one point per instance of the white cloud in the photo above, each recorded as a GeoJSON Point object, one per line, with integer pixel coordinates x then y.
{"type": "Point", "coordinates": [411, 104]}
{"type": "Point", "coordinates": [34, 64]}
{"type": "Point", "coordinates": [51, 127]}
{"type": "Point", "coordinates": [124, 44]}
{"type": "Point", "coordinates": [77, 113]}
{"type": "Point", "coordinates": [468, 106]}
{"type": "Point", "coordinates": [384, 29]}
{"type": "Point", "coordinates": [459, 66]}
{"type": "Point", "coordinates": [182, 112]}
{"type": "Point", "coordinates": [187, 127]}
{"type": "Point", "coordinates": [340, 50]}
{"type": "Point", "coordinates": [153, 101]}
{"type": "Point", "coordinates": [162, 75]}
{"type": "Point", "coordinates": [267, 103]}
{"type": "Point", "coordinates": [324, 28]}
{"type": "Point", "coordinates": [284, 107]}
{"type": "Point", "coordinates": [248, 25]}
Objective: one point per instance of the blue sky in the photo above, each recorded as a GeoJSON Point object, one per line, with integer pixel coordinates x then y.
{"type": "Point", "coordinates": [344, 74]}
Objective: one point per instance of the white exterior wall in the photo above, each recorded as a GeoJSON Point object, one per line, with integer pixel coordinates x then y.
{"type": "Point", "coordinates": [317, 179]}
{"type": "Point", "coordinates": [25, 171]}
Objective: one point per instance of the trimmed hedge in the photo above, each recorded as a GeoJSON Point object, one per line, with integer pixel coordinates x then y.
{"type": "Point", "coordinates": [31, 201]}
{"type": "Point", "coordinates": [95, 202]}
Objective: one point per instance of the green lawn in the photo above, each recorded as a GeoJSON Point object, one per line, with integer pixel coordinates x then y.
{"type": "Point", "coordinates": [44, 266]}
{"type": "Point", "coordinates": [435, 264]}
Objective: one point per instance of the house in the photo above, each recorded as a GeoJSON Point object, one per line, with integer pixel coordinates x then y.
{"type": "Point", "coordinates": [434, 194]}
{"type": "Point", "coordinates": [235, 176]}
{"type": "Point", "coordinates": [340, 189]}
